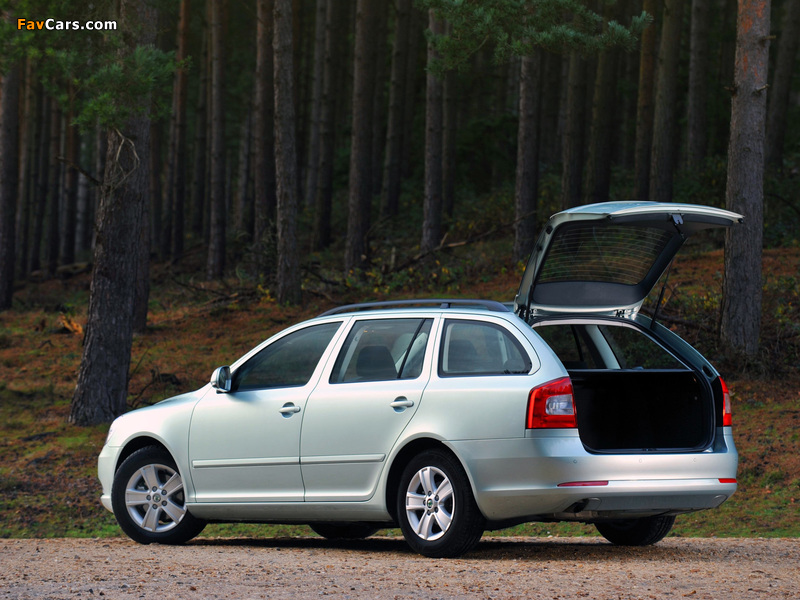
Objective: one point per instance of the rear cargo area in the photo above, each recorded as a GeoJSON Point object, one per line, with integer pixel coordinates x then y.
{"type": "Point", "coordinates": [631, 394]}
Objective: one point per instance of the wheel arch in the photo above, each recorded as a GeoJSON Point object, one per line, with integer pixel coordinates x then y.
{"type": "Point", "coordinates": [403, 457]}
{"type": "Point", "coordinates": [138, 443]}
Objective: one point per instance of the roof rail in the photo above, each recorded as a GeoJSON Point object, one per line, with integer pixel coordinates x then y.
{"type": "Point", "coordinates": [491, 305]}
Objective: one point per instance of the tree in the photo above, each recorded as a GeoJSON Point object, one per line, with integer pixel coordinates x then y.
{"type": "Point", "coordinates": [216, 246]}
{"type": "Point", "coordinates": [598, 182]}
{"type": "Point", "coordinates": [777, 108]}
{"type": "Point", "coordinates": [696, 120]}
{"type": "Point", "coordinates": [662, 159]}
{"type": "Point", "coordinates": [264, 132]}
{"type": "Point", "coordinates": [527, 179]}
{"type": "Point", "coordinates": [176, 159]}
{"type": "Point", "coordinates": [432, 203]}
{"type": "Point", "coordinates": [741, 293]}
{"type": "Point", "coordinates": [335, 17]}
{"type": "Point", "coordinates": [102, 386]}
{"type": "Point", "coordinates": [644, 106]}
{"type": "Point", "coordinates": [9, 178]}
{"type": "Point", "coordinates": [394, 132]}
{"type": "Point", "coordinates": [360, 194]}
{"type": "Point", "coordinates": [288, 271]}
{"type": "Point", "coordinates": [572, 149]}
{"type": "Point", "coordinates": [312, 169]}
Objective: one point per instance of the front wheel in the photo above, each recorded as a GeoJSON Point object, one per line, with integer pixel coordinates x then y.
{"type": "Point", "coordinates": [635, 532]}
{"type": "Point", "coordinates": [435, 506]}
{"type": "Point", "coordinates": [149, 501]}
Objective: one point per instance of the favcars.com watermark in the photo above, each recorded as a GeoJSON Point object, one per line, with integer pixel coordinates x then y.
{"type": "Point", "coordinates": [56, 25]}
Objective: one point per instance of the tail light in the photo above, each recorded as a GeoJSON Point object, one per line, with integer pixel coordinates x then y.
{"type": "Point", "coordinates": [552, 406]}
{"type": "Point", "coordinates": [727, 417]}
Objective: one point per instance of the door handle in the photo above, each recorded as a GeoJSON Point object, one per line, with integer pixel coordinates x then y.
{"type": "Point", "coordinates": [401, 403]}
{"type": "Point", "coordinates": [288, 409]}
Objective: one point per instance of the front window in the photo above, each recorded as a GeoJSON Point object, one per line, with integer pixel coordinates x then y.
{"type": "Point", "coordinates": [288, 362]}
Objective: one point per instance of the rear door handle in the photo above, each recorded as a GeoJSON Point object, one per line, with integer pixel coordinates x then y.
{"type": "Point", "coordinates": [401, 403]}
{"type": "Point", "coordinates": [288, 409]}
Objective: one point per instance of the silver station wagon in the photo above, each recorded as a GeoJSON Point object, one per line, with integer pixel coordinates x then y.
{"type": "Point", "coordinates": [451, 417]}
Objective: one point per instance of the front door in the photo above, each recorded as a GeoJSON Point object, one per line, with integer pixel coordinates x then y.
{"type": "Point", "coordinates": [244, 445]}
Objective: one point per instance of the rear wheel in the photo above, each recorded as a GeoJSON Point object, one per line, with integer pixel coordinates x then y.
{"type": "Point", "coordinates": [343, 531]}
{"type": "Point", "coordinates": [435, 506]}
{"type": "Point", "coordinates": [636, 532]}
{"type": "Point", "coordinates": [149, 500]}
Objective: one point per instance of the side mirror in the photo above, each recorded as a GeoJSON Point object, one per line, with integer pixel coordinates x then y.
{"type": "Point", "coordinates": [221, 379]}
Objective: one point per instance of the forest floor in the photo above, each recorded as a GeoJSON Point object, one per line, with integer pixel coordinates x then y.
{"type": "Point", "coordinates": [48, 485]}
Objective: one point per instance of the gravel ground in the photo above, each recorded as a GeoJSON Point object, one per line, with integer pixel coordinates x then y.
{"type": "Point", "coordinates": [382, 568]}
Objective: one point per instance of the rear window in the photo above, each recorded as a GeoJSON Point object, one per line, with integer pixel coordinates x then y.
{"type": "Point", "coordinates": [590, 346]}
{"type": "Point", "coordinates": [604, 253]}
{"type": "Point", "coordinates": [480, 348]}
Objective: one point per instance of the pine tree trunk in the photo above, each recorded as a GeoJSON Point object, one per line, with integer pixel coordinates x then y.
{"type": "Point", "coordinates": [781, 87]}
{"type": "Point", "coordinates": [244, 208]}
{"type": "Point", "coordinates": [696, 120]}
{"type": "Point", "coordinates": [176, 161]}
{"type": "Point", "coordinates": [27, 169]}
{"type": "Point", "coordinates": [379, 99]}
{"type": "Point", "coordinates": [264, 135]}
{"type": "Point", "coordinates": [449, 132]}
{"type": "Point", "coordinates": [527, 182]}
{"type": "Point", "coordinates": [217, 218]}
{"type": "Point", "coordinates": [53, 192]}
{"type": "Point", "coordinates": [9, 179]}
{"type": "Point", "coordinates": [40, 192]}
{"type": "Point", "coordinates": [70, 209]}
{"type": "Point", "coordinates": [598, 184]}
{"type": "Point", "coordinates": [312, 167]}
{"type": "Point", "coordinates": [573, 145]}
{"type": "Point", "coordinates": [432, 203]}
{"type": "Point", "coordinates": [102, 387]}
{"type": "Point", "coordinates": [335, 30]}
{"type": "Point", "coordinates": [198, 193]}
{"type": "Point", "coordinates": [360, 192]}
{"type": "Point", "coordinates": [663, 159]}
{"type": "Point", "coordinates": [394, 131]}
{"type": "Point", "coordinates": [645, 105]}
{"type": "Point", "coordinates": [741, 294]}
{"type": "Point", "coordinates": [288, 271]}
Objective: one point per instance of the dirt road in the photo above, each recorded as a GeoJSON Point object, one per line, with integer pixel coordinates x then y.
{"type": "Point", "coordinates": [382, 568]}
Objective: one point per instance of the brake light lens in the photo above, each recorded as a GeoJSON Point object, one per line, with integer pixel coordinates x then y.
{"type": "Point", "coordinates": [727, 417]}
{"type": "Point", "coordinates": [552, 406]}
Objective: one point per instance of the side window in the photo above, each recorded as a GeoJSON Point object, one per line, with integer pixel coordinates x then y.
{"type": "Point", "coordinates": [289, 362]}
{"type": "Point", "coordinates": [480, 348]}
{"type": "Point", "coordinates": [569, 342]}
{"type": "Point", "coordinates": [381, 350]}
{"type": "Point", "coordinates": [634, 350]}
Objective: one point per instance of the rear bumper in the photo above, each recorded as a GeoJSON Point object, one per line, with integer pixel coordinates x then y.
{"type": "Point", "coordinates": [524, 479]}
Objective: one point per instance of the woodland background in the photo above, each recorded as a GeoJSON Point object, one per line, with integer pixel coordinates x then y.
{"type": "Point", "coordinates": [304, 146]}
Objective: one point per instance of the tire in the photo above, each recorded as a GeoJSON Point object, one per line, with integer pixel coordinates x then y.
{"type": "Point", "coordinates": [435, 506]}
{"type": "Point", "coordinates": [343, 531]}
{"type": "Point", "coordinates": [149, 501]}
{"type": "Point", "coordinates": [635, 532]}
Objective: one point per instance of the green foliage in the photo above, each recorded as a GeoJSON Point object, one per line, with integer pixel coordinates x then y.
{"type": "Point", "coordinates": [105, 76]}
{"type": "Point", "coordinates": [518, 27]}
{"type": "Point", "coordinates": [115, 91]}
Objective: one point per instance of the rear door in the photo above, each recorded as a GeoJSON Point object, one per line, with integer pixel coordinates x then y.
{"type": "Point", "coordinates": [362, 404]}
{"type": "Point", "coordinates": [605, 258]}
